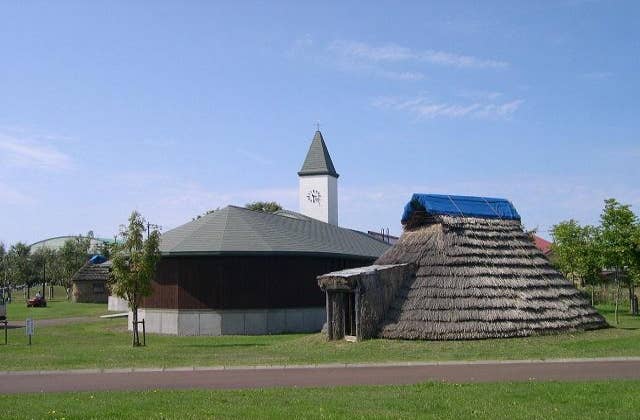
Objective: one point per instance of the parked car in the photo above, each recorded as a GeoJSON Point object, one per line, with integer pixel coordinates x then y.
{"type": "Point", "coordinates": [37, 302]}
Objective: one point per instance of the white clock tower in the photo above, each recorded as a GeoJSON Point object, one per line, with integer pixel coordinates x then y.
{"type": "Point", "coordinates": [318, 181]}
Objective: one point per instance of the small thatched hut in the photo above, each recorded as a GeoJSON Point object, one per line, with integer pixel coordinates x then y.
{"type": "Point", "coordinates": [89, 283]}
{"type": "Point", "coordinates": [474, 274]}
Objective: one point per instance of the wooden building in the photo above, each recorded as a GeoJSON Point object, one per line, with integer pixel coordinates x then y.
{"type": "Point", "coordinates": [89, 283]}
{"type": "Point", "coordinates": [238, 271]}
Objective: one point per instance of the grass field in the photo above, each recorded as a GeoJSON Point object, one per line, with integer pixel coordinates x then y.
{"type": "Point", "coordinates": [582, 400]}
{"type": "Point", "coordinates": [56, 308]}
{"type": "Point", "coordinates": [106, 344]}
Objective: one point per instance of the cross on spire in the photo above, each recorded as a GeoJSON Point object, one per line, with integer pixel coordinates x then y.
{"type": "Point", "coordinates": [317, 126]}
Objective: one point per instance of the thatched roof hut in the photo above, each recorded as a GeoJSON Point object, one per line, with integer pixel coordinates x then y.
{"type": "Point", "coordinates": [89, 283]}
{"type": "Point", "coordinates": [477, 275]}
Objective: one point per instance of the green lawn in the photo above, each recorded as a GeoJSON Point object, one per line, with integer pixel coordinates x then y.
{"type": "Point", "coordinates": [106, 344]}
{"type": "Point", "coordinates": [582, 400]}
{"type": "Point", "coordinates": [56, 308]}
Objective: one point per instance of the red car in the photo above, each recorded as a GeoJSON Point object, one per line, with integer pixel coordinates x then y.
{"type": "Point", "coordinates": [37, 302]}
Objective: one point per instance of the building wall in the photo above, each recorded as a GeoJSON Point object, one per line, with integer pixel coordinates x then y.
{"type": "Point", "coordinates": [242, 282]}
{"type": "Point", "coordinates": [117, 304]}
{"type": "Point", "coordinates": [374, 287]}
{"type": "Point", "coordinates": [231, 322]}
{"type": "Point", "coordinates": [327, 209]}
{"type": "Point", "coordinates": [89, 291]}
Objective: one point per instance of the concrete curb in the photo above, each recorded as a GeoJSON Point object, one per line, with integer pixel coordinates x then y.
{"type": "Point", "coordinates": [311, 366]}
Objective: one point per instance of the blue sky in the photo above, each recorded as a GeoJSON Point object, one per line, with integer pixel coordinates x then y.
{"type": "Point", "coordinates": [173, 108]}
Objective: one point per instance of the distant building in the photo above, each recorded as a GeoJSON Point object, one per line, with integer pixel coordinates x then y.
{"type": "Point", "coordinates": [57, 242]}
{"type": "Point", "coordinates": [384, 237]}
{"type": "Point", "coordinates": [89, 283]}
{"type": "Point", "coordinates": [543, 245]}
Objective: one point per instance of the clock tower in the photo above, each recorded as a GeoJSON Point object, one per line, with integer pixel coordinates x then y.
{"type": "Point", "coordinates": [318, 182]}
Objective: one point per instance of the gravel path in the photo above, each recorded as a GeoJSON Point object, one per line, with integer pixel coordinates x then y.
{"type": "Point", "coordinates": [320, 376]}
{"type": "Point", "coordinates": [55, 321]}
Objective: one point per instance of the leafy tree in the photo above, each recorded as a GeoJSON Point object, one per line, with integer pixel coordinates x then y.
{"type": "Point", "coordinates": [104, 249]}
{"type": "Point", "coordinates": [134, 265]}
{"type": "Point", "coordinates": [264, 206]}
{"type": "Point", "coordinates": [20, 267]}
{"type": "Point", "coordinates": [567, 243]}
{"type": "Point", "coordinates": [4, 272]}
{"type": "Point", "coordinates": [205, 213]}
{"type": "Point", "coordinates": [634, 268]}
{"type": "Point", "coordinates": [590, 268]}
{"type": "Point", "coordinates": [46, 266]}
{"type": "Point", "coordinates": [619, 230]}
{"type": "Point", "coordinates": [576, 251]}
{"type": "Point", "coordinates": [73, 255]}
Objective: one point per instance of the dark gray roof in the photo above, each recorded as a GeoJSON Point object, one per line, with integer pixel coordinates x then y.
{"type": "Point", "coordinates": [292, 214]}
{"type": "Point", "coordinates": [318, 161]}
{"type": "Point", "coordinates": [236, 230]}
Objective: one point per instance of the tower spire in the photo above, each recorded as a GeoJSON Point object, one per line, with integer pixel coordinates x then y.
{"type": "Point", "coordinates": [318, 183]}
{"type": "Point", "coordinates": [318, 160]}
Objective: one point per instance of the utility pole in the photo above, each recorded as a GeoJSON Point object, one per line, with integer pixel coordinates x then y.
{"type": "Point", "coordinates": [151, 225]}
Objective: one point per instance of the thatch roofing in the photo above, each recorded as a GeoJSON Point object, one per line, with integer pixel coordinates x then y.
{"type": "Point", "coordinates": [93, 272]}
{"type": "Point", "coordinates": [479, 278]}
{"type": "Point", "coordinates": [239, 231]}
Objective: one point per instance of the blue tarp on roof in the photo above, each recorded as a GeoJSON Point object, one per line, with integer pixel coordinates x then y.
{"type": "Point", "coordinates": [459, 205]}
{"type": "Point", "coordinates": [97, 259]}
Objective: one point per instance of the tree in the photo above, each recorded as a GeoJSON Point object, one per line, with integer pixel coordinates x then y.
{"type": "Point", "coordinates": [205, 213]}
{"type": "Point", "coordinates": [46, 266]}
{"type": "Point", "coordinates": [73, 255]}
{"type": "Point", "coordinates": [134, 265]}
{"type": "Point", "coordinates": [20, 268]}
{"type": "Point", "coordinates": [619, 230]}
{"type": "Point", "coordinates": [576, 252]}
{"type": "Point", "coordinates": [4, 275]}
{"type": "Point", "coordinates": [634, 269]}
{"type": "Point", "coordinates": [264, 206]}
{"type": "Point", "coordinates": [567, 241]}
{"type": "Point", "coordinates": [104, 249]}
{"type": "Point", "coordinates": [590, 268]}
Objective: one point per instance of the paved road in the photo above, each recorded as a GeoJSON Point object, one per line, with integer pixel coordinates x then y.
{"type": "Point", "coordinates": [54, 321]}
{"type": "Point", "coordinates": [319, 376]}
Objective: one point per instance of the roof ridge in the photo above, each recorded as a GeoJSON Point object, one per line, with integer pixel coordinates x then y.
{"type": "Point", "coordinates": [304, 219]}
{"type": "Point", "coordinates": [201, 220]}
{"type": "Point", "coordinates": [243, 230]}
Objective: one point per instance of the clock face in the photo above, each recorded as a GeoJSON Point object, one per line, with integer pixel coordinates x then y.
{"type": "Point", "coordinates": [314, 196]}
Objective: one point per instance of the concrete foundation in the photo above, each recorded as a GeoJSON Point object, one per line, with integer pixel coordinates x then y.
{"type": "Point", "coordinates": [116, 304]}
{"type": "Point", "coordinates": [232, 322]}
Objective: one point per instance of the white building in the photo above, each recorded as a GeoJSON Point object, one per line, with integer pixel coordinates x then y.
{"type": "Point", "coordinates": [318, 184]}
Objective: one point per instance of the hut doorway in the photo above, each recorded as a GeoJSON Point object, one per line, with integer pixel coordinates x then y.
{"type": "Point", "coordinates": [350, 316]}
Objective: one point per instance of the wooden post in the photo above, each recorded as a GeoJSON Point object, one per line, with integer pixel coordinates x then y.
{"type": "Point", "coordinates": [357, 312]}
{"type": "Point", "coordinates": [329, 315]}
